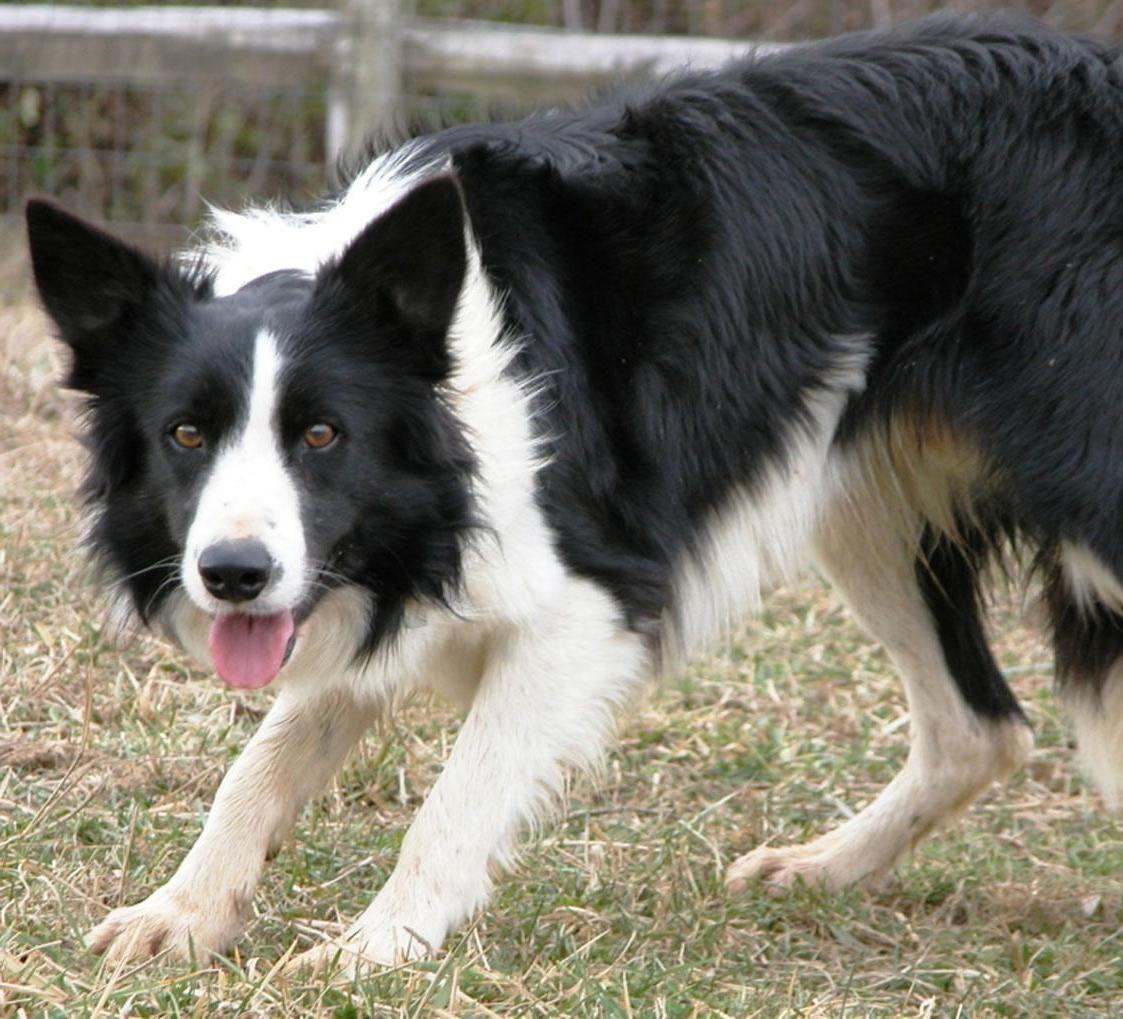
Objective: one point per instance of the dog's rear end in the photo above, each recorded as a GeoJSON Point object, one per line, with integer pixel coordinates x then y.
{"type": "Point", "coordinates": [989, 429]}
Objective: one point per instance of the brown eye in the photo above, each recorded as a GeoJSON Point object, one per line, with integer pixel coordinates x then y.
{"type": "Point", "coordinates": [187, 436]}
{"type": "Point", "coordinates": [319, 435]}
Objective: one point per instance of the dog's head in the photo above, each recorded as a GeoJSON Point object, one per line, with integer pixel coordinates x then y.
{"type": "Point", "coordinates": [252, 452]}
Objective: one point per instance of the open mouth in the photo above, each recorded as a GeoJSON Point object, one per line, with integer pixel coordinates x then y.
{"type": "Point", "coordinates": [249, 650]}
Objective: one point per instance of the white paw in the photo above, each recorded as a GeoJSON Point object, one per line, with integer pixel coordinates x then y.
{"type": "Point", "coordinates": [781, 867]}
{"type": "Point", "coordinates": [362, 949]}
{"type": "Point", "coordinates": [166, 923]}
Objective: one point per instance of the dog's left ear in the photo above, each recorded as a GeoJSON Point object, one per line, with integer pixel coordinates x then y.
{"type": "Point", "coordinates": [410, 262]}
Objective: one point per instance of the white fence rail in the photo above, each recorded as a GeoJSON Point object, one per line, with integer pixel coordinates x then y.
{"type": "Point", "coordinates": [368, 53]}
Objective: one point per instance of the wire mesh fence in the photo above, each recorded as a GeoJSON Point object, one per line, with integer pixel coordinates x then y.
{"type": "Point", "coordinates": [764, 19]}
{"type": "Point", "coordinates": [141, 115]}
{"type": "Point", "coordinates": [148, 153]}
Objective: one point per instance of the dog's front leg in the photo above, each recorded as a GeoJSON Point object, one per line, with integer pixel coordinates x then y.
{"type": "Point", "coordinates": [204, 906]}
{"type": "Point", "coordinates": [545, 703]}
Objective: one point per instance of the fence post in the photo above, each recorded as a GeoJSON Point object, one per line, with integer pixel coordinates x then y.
{"type": "Point", "coordinates": [366, 80]}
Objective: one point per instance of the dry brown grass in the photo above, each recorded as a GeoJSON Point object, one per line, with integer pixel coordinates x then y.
{"type": "Point", "coordinates": [108, 758]}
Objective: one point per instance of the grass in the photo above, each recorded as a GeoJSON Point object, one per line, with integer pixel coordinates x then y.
{"type": "Point", "coordinates": [109, 757]}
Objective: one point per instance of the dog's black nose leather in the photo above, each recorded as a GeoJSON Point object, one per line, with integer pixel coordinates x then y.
{"type": "Point", "coordinates": [236, 570]}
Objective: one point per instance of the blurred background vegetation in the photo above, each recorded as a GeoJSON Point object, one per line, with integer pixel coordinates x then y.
{"type": "Point", "coordinates": [149, 151]}
{"type": "Point", "coordinates": [731, 18]}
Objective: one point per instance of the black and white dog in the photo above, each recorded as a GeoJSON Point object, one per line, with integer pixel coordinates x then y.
{"type": "Point", "coordinates": [532, 410]}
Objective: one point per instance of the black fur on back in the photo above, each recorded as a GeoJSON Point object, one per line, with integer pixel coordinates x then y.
{"type": "Point", "coordinates": [685, 262]}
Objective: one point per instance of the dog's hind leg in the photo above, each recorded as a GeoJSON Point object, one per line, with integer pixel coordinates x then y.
{"type": "Point", "coordinates": [966, 728]}
{"type": "Point", "coordinates": [1085, 603]}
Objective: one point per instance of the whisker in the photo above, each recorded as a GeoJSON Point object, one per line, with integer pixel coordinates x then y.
{"type": "Point", "coordinates": [164, 584]}
{"type": "Point", "coordinates": [162, 564]}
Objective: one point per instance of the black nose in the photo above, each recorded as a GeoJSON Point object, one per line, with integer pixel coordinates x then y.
{"type": "Point", "coordinates": [235, 570]}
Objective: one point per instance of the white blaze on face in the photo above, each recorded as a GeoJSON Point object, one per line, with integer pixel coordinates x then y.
{"type": "Point", "coordinates": [250, 495]}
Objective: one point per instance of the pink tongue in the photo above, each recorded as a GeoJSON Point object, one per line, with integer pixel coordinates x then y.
{"type": "Point", "coordinates": [249, 651]}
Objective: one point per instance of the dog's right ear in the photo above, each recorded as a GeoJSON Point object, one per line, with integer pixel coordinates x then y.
{"type": "Point", "coordinates": [88, 280]}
